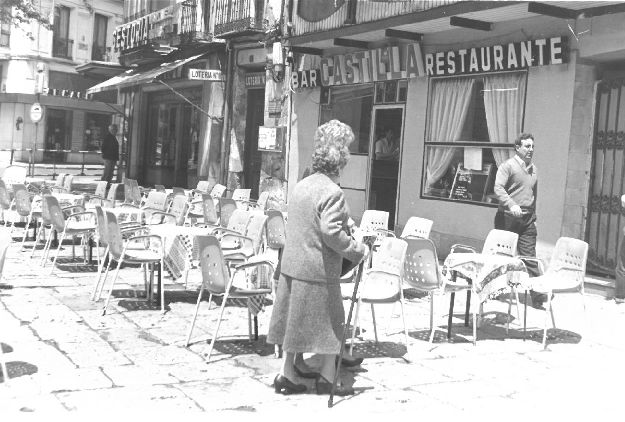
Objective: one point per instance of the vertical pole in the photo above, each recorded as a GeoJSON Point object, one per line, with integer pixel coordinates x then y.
{"type": "Point", "coordinates": [225, 134]}
{"type": "Point", "coordinates": [11, 161]}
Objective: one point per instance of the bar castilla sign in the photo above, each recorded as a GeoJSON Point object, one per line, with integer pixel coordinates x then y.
{"type": "Point", "coordinates": [511, 56]}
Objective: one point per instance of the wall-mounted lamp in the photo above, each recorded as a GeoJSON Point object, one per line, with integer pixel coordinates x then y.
{"type": "Point", "coordinates": [18, 122]}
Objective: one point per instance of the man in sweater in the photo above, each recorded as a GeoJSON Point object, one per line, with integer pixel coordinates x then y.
{"type": "Point", "coordinates": [516, 188]}
{"type": "Point", "coordinates": [110, 153]}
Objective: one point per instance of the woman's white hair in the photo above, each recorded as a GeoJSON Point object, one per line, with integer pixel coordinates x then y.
{"type": "Point", "coordinates": [331, 147]}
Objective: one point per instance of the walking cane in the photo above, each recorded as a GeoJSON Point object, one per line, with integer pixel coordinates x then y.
{"type": "Point", "coordinates": [358, 277]}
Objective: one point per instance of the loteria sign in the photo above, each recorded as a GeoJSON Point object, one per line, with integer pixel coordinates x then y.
{"type": "Point", "coordinates": [378, 64]}
{"type": "Point", "coordinates": [511, 56]}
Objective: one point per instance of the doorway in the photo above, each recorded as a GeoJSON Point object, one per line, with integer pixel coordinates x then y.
{"type": "Point", "coordinates": [57, 136]}
{"type": "Point", "coordinates": [385, 149]}
{"type": "Point", "coordinates": [252, 157]}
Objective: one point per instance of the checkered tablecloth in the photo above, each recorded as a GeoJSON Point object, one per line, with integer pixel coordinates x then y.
{"type": "Point", "coordinates": [128, 214]}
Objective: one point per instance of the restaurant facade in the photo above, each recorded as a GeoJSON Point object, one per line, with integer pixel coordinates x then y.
{"type": "Point", "coordinates": [450, 85]}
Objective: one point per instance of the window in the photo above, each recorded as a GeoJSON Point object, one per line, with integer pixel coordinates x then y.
{"type": "Point", "coordinates": [5, 33]}
{"type": "Point", "coordinates": [472, 124]}
{"type": "Point", "coordinates": [96, 127]}
{"type": "Point", "coordinates": [98, 49]}
{"type": "Point", "coordinates": [62, 46]}
{"type": "Point", "coordinates": [351, 105]}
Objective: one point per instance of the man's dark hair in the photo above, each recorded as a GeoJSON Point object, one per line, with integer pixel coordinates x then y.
{"type": "Point", "coordinates": [519, 140]}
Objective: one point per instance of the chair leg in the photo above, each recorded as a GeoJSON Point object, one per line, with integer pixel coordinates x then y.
{"type": "Point", "coordinates": [221, 314]}
{"type": "Point", "coordinates": [474, 328]}
{"type": "Point", "coordinates": [3, 367]}
{"type": "Point", "coordinates": [161, 280]}
{"type": "Point", "coordinates": [509, 311]}
{"type": "Point", "coordinates": [525, 315]}
{"type": "Point", "coordinates": [375, 328]}
{"type": "Point", "coordinates": [545, 322]}
{"type": "Point", "coordinates": [57, 251]}
{"type": "Point", "coordinates": [197, 308]}
{"type": "Point", "coordinates": [432, 328]}
{"type": "Point", "coordinates": [106, 273]}
{"type": "Point", "coordinates": [403, 319]}
{"type": "Point", "coordinates": [354, 325]}
{"type": "Point", "coordinates": [108, 297]}
{"type": "Point", "coordinates": [100, 268]}
{"type": "Point", "coordinates": [45, 248]}
{"type": "Point", "coordinates": [41, 229]}
{"type": "Point", "coordinates": [30, 216]}
{"type": "Point", "coordinates": [468, 307]}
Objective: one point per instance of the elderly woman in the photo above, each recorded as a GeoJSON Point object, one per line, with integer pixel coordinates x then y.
{"type": "Point", "coordinates": [308, 313]}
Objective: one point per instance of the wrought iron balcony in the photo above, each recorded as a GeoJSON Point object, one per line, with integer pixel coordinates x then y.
{"type": "Point", "coordinates": [237, 16]}
{"type": "Point", "coordinates": [62, 47]}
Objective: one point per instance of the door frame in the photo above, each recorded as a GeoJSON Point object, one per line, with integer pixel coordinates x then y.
{"type": "Point", "coordinates": [372, 140]}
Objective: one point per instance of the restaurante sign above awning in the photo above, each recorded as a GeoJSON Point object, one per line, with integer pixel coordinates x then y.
{"type": "Point", "coordinates": [511, 56]}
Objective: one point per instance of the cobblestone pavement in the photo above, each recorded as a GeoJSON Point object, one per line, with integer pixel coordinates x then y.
{"type": "Point", "coordinates": [63, 355]}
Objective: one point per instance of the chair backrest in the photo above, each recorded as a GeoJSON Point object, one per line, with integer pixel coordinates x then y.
{"type": "Point", "coordinates": [178, 191]}
{"type": "Point", "coordinates": [101, 221]}
{"type": "Point", "coordinates": [136, 192]}
{"type": "Point", "coordinates": [112, 195]}
{"type": "Point", "coordinates": [417, 227]}
{"type": "Point", "coordinates": [373, 220]}
{"type": "Point", "coordinates": [23, 199]}
{"type": "Point", "coordinates": [5, 198]}
{"type": "Point", "coordinates": [179, 208]}
{"type": "Point", "coordinates": [276, 230]}
{"type": "Point", "coordinates": [159, 188]}
{"type": "Point", "coordinates": [56, 214]}
{"type": "Point", "coordinates": [570, 254]}
{"type": "Point", "coordinates": [203, 186]}
{"type": "Point", "coordinates": [263, 198]}
{"type": "Point", "coordinates": [114, 236]}
{"type": "Point", "coordinates": [390, 255]}
{"type": "Point", "coordinates": [45, 213]}
{"type": "Point", "coordinates": [256, 228]}
{"type": "Point", "coordinates": [226, 207]}
{"type": "Point", "coordinates": [218, 191]}
{"type": "Point", "coordinates": [100, 188]}
{"type": "Point", "coordinates": [14, 174]}
{"type": "Point", "coordinates": [420, 269]}
{"type": "Point", "coordinates": [128, 191]}
{"type": "Point", "coordinates": [5, 241]}
{"type": "Point", "coordinates": [241, 194]}
{"type": "Point", "coordinates": [215, 273]}
{"type": "Point", "coordinates": [209, 210]}
{"type": "Point", "coordinates": [60, 180]}
{"type": "Point", "coordinates": [156, 200]}
{"type": "Point", "coordinates": [238, 221]}
{"type": "Point", "coordinates": [67, 183]}
{"type": "Point", "coordinates": [500, 242]}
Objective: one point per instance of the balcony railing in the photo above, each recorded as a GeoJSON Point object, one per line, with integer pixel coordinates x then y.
{"type": "Point", "coordinates": [308, 17]}
{"type": "Point", "coordinates": [236, 16]}
{"type": "Point", "coordinates": [62, 47]}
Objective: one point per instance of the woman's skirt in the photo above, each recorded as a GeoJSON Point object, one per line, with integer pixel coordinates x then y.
{"type": "Point", "coordinates": [307, 316]}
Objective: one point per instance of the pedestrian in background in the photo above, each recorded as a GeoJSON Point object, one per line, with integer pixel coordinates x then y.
{"type": "Point", "coordinates": [308, 315]}
{"type": "Point", "coordinates": [516, 187]}
{"type": "Point", "coordinates": [110, 153]}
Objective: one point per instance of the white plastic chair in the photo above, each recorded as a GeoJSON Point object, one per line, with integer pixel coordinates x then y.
{"type": "Point", "coordinates": [565, 274]}
{"type": "Point", "coordinates": [242, 198]}
{"type": "Point", "coordinates": [13, 175]}
{"type": "Point", "coordinates": [417, 227]}
{"type": "Point", "coordinates": [381, 283]}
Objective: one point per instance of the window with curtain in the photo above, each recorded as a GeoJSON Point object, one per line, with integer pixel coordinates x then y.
{"type": "Point", "coordinates": [472, 124]}
{"type": "Point", "coordinates": [98, 49]}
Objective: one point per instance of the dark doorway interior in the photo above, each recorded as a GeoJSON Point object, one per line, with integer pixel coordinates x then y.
{"type": "Point", "coordinates": [252, 157]}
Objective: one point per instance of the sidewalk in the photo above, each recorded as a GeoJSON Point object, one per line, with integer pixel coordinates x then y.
{"type": "Point", "coordinates": [63, 355]}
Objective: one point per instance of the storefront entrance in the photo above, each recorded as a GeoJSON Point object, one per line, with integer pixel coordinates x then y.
{"type": "Point", "coordinates": [386, 132]}
{"type": "Point", "coordinates": [605, 218]}
{"type": "Point", "coordinates": [252, 157]}
{"type": "Point", "coordinates": [57, 135]}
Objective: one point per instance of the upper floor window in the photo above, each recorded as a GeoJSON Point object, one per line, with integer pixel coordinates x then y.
{"type": "Point", "coordinates": [5, 31]}
{"type": "Point", "coordinates": [472, 124]}
{"type": "Point", "coordinates": [98, 49]}
{"type": "Point", "coordinates": [62, 46]}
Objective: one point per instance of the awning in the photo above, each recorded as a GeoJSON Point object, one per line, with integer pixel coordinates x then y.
{"type": "Point", "coordinates": [134, 77]}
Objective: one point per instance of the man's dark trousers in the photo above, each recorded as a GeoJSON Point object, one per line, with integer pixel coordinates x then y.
{"type": "Point", "coordinates": [525, 227]}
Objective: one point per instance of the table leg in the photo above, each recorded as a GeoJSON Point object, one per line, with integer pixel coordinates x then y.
{"type": "Point", "coordinates": [468, 308]}
{"type": "Point", "coordinates": [525, 315]}
{"type": "Point", "coordinates": [255, 327]}
{"type": "Point", "coordinates": [451, 314]}
{"type": "Point", "coordinates": [158, 282]}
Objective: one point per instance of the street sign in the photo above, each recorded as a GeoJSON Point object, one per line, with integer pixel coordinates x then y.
{"type": "Point", "coordinates": [36, 112]}
{"type": "Point", "coordinates": [206, 75]}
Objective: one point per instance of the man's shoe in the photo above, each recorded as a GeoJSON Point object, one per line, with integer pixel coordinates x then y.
{"type": "Point", "coordinates": [349, 361]}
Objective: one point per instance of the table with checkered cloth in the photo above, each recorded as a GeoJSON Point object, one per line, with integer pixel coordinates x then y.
{"type": "Point", "coordinates": [127, 214]}
{"type": "Point", "coordinates": [182, 253]}
{"type": "Point", "coordinates": [492, 274]}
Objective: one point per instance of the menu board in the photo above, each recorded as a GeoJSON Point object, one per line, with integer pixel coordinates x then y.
{"type": "Point", "coordinates": [472, 185]}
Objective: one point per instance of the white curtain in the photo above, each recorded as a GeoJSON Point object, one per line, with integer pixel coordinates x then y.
{"type": "Point", "coordinates": [504, 96]}
{"type": "Point", "coordinates": [450, 103]}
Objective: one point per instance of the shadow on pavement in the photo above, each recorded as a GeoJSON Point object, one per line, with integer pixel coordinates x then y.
{"type": "Point", "coordinates": [18, 369]}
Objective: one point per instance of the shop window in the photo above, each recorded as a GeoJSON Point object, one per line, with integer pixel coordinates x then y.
{"type": "Point", "coordinates": [472, 124]}
{"type": "Point", "coordinates": [391, 92]}
{"type": "Point", "coordinates": [96, 128]}
{"type": "Point", "coordinates": [351, 105]}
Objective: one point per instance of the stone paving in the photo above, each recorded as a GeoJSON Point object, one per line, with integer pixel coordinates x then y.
{"type": "Point", "coordinates": [63, 355]}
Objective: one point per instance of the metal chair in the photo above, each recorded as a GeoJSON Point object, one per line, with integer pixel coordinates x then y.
{"type": "Point", "coordinates": [80, 223]}
{"type": "Point", "coordinates": [6, 202]}
{"type": "Point", "coordinates": [381, 283]}
{"type": "Point", "coordinates": [59, 183]}
{"type": "Point", "coordinates": [417, 227]}
{"type": "Point", "coordinates": [565, 274]}
{"type": "Point", "coordinates": [159, 188]}
{"type": "Point", "coordinates": [241, 197]}
{"type": "Point", "coordinates": [218, 191]}
{"type": "Point", "coordinates": [208, 211]}
{"type": "Point", "coordinates": [13, 175]}
{"type": "Point", "coordinates": [144, 249]}
{"type": "Point", "coordinates": [421, 272]}
{"type": "Point", "coordinates": [244, 246]}
{"type": "Point", "coordinates": [217, 279]}
{"type": "Point", "coordinates": [226, 207]}
{"type": "Point", "coordinates": [23, 206]}
{"type": "Point", "coordinates": [111, 197]}
{"type": "Point", "coordinates": [176, 214]}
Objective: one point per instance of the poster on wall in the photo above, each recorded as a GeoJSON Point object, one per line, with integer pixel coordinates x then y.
{"type": "Point", "coordinates": [271, 138]}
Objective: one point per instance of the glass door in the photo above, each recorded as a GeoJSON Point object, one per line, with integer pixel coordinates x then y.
{"type": "Point", "coordinates": [385, 149]}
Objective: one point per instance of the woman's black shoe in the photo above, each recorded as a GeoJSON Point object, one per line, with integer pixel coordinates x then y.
{"type": "Point", "coordinates": [323, 386]}
{"type": "Point", "coordinates": [349, 361]}
{"type": "Point", "coordinates": [306, 374]}
{"type": "Point", "coordinates": [282, 385]}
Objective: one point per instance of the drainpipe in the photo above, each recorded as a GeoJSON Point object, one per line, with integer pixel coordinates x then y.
{"type": "Point", "coordinates": [225, 130]}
